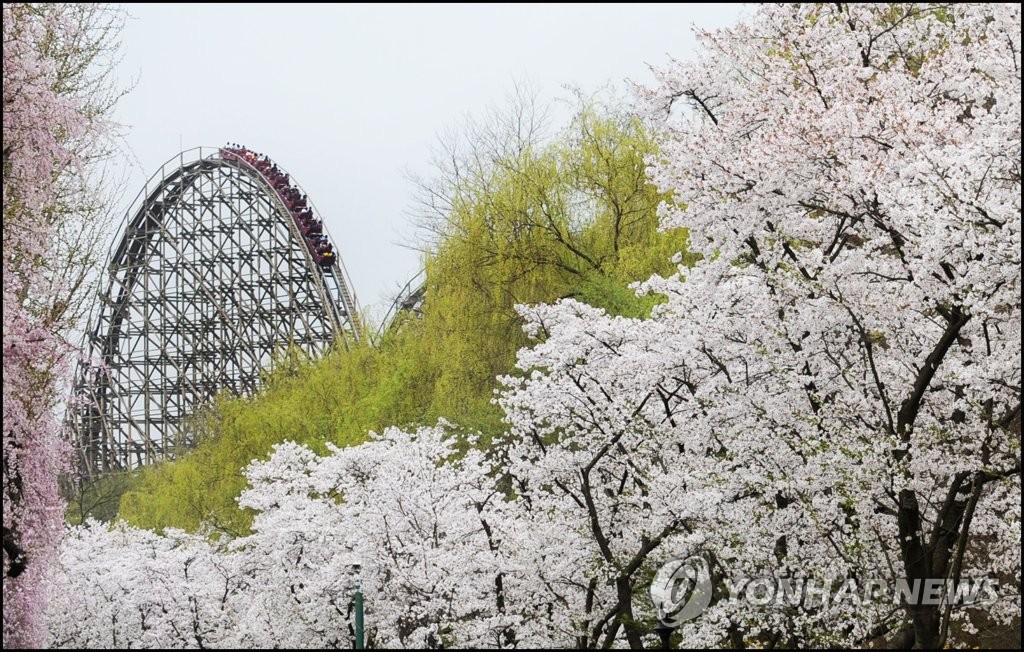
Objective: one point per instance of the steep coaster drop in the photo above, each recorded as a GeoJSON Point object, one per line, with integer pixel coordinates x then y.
{"type": "Point", "coordinates": [223, 263]}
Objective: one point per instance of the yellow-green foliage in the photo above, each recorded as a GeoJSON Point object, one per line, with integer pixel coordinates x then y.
{"type": "Point", "coordinates": [571, 218]}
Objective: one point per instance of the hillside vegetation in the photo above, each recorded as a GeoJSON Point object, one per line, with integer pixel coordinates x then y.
{"type": "Point", "coordinates": [510, 219]}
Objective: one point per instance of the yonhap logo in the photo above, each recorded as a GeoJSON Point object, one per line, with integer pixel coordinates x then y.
{"type": "Point", "coordinates": [681, 589]}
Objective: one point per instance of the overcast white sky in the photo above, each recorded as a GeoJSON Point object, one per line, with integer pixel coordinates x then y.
{"type": "Point", "coordinates": [348, 98]}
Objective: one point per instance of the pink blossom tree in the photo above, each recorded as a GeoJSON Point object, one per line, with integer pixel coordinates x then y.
{"type": "Point", "coordinates": [53, 114]}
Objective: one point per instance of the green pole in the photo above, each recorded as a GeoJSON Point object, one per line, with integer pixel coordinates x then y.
{"type": "Point", "coordinates": [359, 618]}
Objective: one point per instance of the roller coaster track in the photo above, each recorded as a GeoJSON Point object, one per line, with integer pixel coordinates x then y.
{"type": "Point", "coordinates": [210, 279]}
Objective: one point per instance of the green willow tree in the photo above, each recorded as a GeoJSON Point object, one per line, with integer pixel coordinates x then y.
{"type": "Point", "coordinates": [534, 222]}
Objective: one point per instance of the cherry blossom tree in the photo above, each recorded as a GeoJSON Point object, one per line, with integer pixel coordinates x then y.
{"type": "Point", "coordinates": [606, 448]}
{"type": "Point", "coordinates": [124, 587]}
{"type": "Point", "coordinates": [405, 513]}
{"type": "Point", "coordinates": [595, 471]}
{"type": "Point", "coordinates": [411, 510]}
{"type": "Point", "coordinates": [847, 354]}
{"type": "Point", "coordinates": [833, 392]}
{"type": "Point", "coordinates": [53, 114]}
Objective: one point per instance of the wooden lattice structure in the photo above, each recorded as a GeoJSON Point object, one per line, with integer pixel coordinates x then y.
{"type": "Point", "coordinates": [209, 280]}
